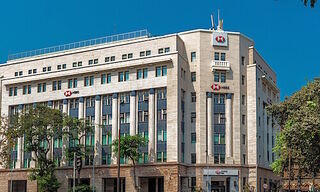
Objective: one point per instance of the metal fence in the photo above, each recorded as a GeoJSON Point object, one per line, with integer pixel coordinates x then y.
{"type": "Point", "coordinates": [86, 43]}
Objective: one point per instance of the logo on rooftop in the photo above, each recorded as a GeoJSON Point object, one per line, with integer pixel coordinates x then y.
{"type": "Point", "coordinates": [219, 38]}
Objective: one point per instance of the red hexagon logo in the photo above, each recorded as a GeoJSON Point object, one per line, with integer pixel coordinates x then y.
{"type": "Point", "coordinates": [220, 39]}
{"type": "Point", "coordinates": [68, 93]}
{"type": "Point", "coordinates": [215, 87]}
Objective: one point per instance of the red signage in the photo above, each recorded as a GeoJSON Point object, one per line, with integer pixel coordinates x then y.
{"type": "Point", "coordinates": [220, 39]}
{"type": "Point", "coordinates": [68, 93]}
{"type": "Point", "coordinates": [215, 87]}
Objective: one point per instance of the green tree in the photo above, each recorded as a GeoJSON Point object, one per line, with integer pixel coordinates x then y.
{"type": "Point", "coordinates": [75, 130]}
{"type": "Point", "coordinates": [298, 144]}
{"type": "Point", "coordinates": [38, 126]}
{"type": "Point", "coordinates": [129, 148]}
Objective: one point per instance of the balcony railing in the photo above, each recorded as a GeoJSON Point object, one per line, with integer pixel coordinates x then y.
{"type": "Point", "coordinates": [108, 39]}
{"type": "Point", "coordinates": [220, 65]}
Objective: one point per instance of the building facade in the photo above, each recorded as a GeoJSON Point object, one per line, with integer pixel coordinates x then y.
{"type": "Point", "coordinates": [199, 97]}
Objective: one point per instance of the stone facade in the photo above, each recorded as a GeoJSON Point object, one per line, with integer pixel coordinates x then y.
{"type": "Point", "coordinates": [201, 105]}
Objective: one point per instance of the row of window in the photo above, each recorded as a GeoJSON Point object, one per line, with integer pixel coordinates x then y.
{"type": "Point", "coordinates": [89, 80]}
{"type": "Point", "coordinates": [93, 61]}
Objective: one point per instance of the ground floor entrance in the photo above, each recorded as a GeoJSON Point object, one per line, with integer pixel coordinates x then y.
{"type": "Point", "coordinates": [155, 184]}
{"type": "Point", "coordinates": [221, 180]}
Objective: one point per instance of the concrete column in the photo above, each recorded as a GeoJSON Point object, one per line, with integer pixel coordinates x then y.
{"type": "Point", "coordinates": [151, 124]}
{"type": "Point", "coordinates": [133, 113]}
{"type": "Point", "coordinates": [81, 108]}
{"type": "Point", "coordinates": [65, 143]}
{"type": "Point", "coordinates": [228, 136]}
{"type": "Point", "coordinates": [50, 145]}
{"type": "Point", "coordinates": [97, 131]}
{"type": "Point", "coordinates": [114, 123]}
{"type": "Point", "coordinates": [265, 135]}
{"type": "Point", "coordinates": [210, 124]}
{"type": "Point", "coordinates": [270, 130]}
{"type": "Point", "coordinates": [20, 145]}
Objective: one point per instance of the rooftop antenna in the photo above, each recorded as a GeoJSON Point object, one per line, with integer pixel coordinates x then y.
{"type": "Point", "coordinates": [212, 22]}
{"type": "Point", "coordinates": [220, 22]}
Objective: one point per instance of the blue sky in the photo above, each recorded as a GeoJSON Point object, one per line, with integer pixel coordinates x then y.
{"type": "Point", "coordinates": [285, 32]}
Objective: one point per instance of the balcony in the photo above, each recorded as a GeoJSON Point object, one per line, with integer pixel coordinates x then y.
{"type": "Point", "coordinates": [220, 65]}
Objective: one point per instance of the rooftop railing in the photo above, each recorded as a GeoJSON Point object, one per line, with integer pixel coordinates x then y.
{"type": "Point", "coordinates": [80, 44]}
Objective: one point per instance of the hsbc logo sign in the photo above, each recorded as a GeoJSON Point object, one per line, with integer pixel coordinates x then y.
{"type": "Point", "coordinates": [217, 87]}
{"type": "Point", "coordinates": [220, 39]}
{"type": "Point", "coordinates": [68, 93]}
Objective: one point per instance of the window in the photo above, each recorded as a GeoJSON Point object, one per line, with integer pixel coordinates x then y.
{"type": "Point", "coordinates": [106, 59]}
{"type": "Point", "coordinates": [216, 56]}
{"type": "Point", "coordinates": [86, 81]}
{"type": "Point", "coordinates": [167, 49]}
{"type": "Point", "coordinates": [124, 56]}
{"type": "Point", "coordinates": [130, 55]}
{"type": "Point", "coordinates": [29, 89]}
{"type": "Point", "coordinates": [64, 66]}
{"type": "Point", "coordinates": [243, 120]}
{"type": "Point", "coordinates": [59, 85]}
{"type": "Point", "coordinates": [20, 73]}
{"type": "Point", "coordinates": [24, 90]}
{"type": "Point", "coordinates": [243, 99]}
{"type": "Point", "coordinates": [193, 117]}
{"type": "Point", "coordinates": [145, 73]}
{"type": "Point", "coordinates": [95, 61]}
{"type": "Point", "coordinates": [124, 98]}
{"type": "Point", "coordinates": [113, 58]}
{"type": "Point", "coordinates": [223, 56]}
{"type": "Point", "coordinates": [244, 158]}
{"type": "Point", "coordinates": [58, 67]}
{"type": "Point", "coordinates": [160, 51]}
{"type": "Point", "coordinates": [103, 78]}
{"type": "Point", "coordinates": [162, 93]}
{"type": "Point", "coordinates": [90, 62]}
{"type": "Point", "coordinates": [193, 56]}
{"type": "Point", "coordinates": [243, 139]}
{"type": "Point", "coordinates": [223, 77]}
{"type": "Point", "coordinates": [30, 71]}
{"type": "Point", "coordinates": [91, 80]}
{"type": "Point", "coordinates": [193, 158]}
{"type": "Point", "coordinates": [164, 70]}
{"type": "Point", "coordinates": [216, 76]}
{"type": "Point", "coordinates": [10, 91]}
{"type": "Point", "coordinates": [44, 69]}
{"type": "Point", "coordinates": [142, 53]}
{"type": "Point", "coordinates": [49, 68]}
{"type": "Point", "coordinates": [162, 114]}
{"type": "Point", "coordinates": [34, 71]}
{"type": "Point", "coordinates": [242, 60]}
{"type": "Point", "coordinates": [242, 79]}
{"type": "Point", "coordinates": [193, 97]}
{"type": "Point", "coordinates": [124, 118]}
{"type": "Point", "coordinates": [123, 76]}
{"type": "Point", "coordinates": [79, 63]}
{"type": "Point", "coordinates": [139, 74]}
{"type": "Point", "coordinates": [109, 78]}
{"type": "Point", "coordinates": [16, 74]}
{"type": "Point", "coordinates": [148, 52]}
{"type": "Point", "coordinates": [74, 64]}
{"type": "Point", "coordinates": [72, 83]}
{"type": "Point", "coordinates": [220, 76]}
{"type": "Point", "coordinates": [107, 100]}
{"type": "Point", "coordinates": [193, 138]}
{"type": "Point", "coordinates": [193, 76]}
{"type": "Point", "coordinates": [158, 71]}
{"type": "Point", "coordinates": [42, 87]}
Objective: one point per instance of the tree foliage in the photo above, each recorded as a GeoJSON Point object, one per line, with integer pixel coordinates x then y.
{"type": "Point", "coordinates": [299, 139]}
{"type": "Point", "coordinates": [129, 148]}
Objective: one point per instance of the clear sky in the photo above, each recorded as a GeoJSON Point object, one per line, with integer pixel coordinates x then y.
{"type": "Point", "coordinates": [285, 32]}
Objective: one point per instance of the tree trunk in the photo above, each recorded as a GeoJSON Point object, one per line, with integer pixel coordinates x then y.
{"type": "Point", "coordinates": [134, 175]}
{"type": "Point", "coordinates": [78, 178]}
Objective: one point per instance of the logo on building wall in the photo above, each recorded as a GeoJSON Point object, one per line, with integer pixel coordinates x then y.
{"type": "Point", "coordinates": [219, 39]}
{"type": "Point", "coordinates": [68, 93]}
{"type": "Point", "coordinates": [217, 87]}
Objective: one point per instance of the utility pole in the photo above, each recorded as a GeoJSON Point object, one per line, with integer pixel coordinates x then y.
{"type": "Point", "coordinates": [118, 178]}
{"type": "Point", "coordinates": [74, 172]}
